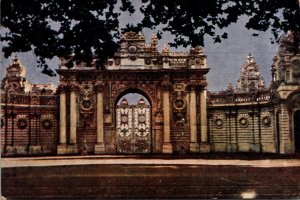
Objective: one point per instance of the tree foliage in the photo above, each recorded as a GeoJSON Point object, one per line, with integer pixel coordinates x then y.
{"type": "Point", "coordinates": [85, 30]}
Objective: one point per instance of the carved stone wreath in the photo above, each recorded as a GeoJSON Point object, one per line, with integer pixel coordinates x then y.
{"type": "Point", "coordinates": [219, 123]}
{"type": "Point", "coordinates": [47, 124]}
{"type": "Point", "coordinates": [243, 122]}
{"type": "Point", "coordinates": [266, 121]}
{"type": "Point", "coordinates": [22, 123]}
{"type": "Point", "coordinates": [148, 61]}
{"type": "Point", "coordinates": [198, 61]}
{"type": "Point", "coordinates": [132, 49]}
{"type": "Point", "coordinates": [86, 104]}
{"type": "Point", "coordinates": [179, 104]}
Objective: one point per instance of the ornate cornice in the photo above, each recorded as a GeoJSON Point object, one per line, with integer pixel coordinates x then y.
{"type": "Point", "coordinates": [99, 86]}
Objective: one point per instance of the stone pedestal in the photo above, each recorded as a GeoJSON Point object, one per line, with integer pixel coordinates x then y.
{"type": "Point", "coordinates": [72, 149]}
{"type": "Point", "coordinates": [100, 148]}
{"type": "Point", "coordinates": [255, 148]}
{"type": "Point", "coordinates": [67, 149]}
{"type": "Point", "coordinates": [231, 148]}
{"type": "Point", "coordinates": [35, 150]}
{"type": "Point", "coordinates": [194, 147]}
{"type": "Point", "coordinates": [61, 149]}
{"type": "Point", "coordinates": [11, 151]}
{"type": "Point", "coordinates": [167, 148]}
{"type": "Point", "coordinates": [204, 148]}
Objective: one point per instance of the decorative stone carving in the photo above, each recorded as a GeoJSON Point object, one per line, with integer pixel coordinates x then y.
{"type": "Point", "coordinates": [243, 120]}
{"type": "Point", "coordinates": [22, 121]}
{"type": "Point", "coordinates": [266, 119]}
{"type": "Point", "coordinates": [86, 105]}
{"type": "Point", "coordinates": [179, 104]}
{"type": "Point", "coordinates": [47, 121]}
{"type": "Point", "coordinates": [179, 87]}
{"type": "Point", "coordinates": [250, 77]}
{"type": "Point", "coordinates": [218, 121]}
{"type": "Point", "coordinates": [289, 43]}
{"type": "Point", "coordinates": [15, 78]}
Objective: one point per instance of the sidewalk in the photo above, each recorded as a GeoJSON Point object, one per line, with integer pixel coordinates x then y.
{"type": "Point", "coordinates": [262, 162]}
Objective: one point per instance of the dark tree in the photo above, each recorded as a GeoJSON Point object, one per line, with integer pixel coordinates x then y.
{"type": "Point", "coordinates": [85, 30]}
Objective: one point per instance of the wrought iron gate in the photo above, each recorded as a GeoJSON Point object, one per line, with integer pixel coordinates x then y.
{"type": "Point", "coordinates": [133, 128]}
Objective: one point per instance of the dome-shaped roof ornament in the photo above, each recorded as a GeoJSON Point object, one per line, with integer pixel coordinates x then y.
{"type": "Point", "coordinates": [141, 101]}
{"type": "Point", "coordinates": [124, 102]}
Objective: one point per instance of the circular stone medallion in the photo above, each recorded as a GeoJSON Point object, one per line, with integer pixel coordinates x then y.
{"type": "Point", "coordinates": [47, 124]}
{"type": "Point", "coordinates": [86, 104]}
{"type": "Point", "coordinates": [244, 122]}
{"type": "Point", "coordinates": [219, 123]}
{"type": "Point", "coordinates": [266, 121]}
{"type": "Point", "coordinates": [22, 123]}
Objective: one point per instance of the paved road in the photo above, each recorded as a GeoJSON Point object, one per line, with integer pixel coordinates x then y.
{"type": "Point", "coordinates": [95, 177]}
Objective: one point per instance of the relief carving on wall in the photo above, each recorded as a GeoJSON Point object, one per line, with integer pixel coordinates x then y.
{"type": "Point", "coordinates": [47, 121]}
{"type": "Point", "coordinates": [22, 121]}
{"type": "Point", "coordinates": [243, 120]}
{"type": "Point", "coordinates": [86, 106]}
{"type": "Point", "coordinates": [218, 121]}
{"type": "Point", "coordinates": [179, 103]}
{"type": "Point", "coordinates": [118, 87]}
{"type": "Point", "coordinates": [266, 119]}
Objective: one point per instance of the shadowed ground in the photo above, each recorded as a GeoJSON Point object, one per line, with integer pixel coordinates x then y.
{"type": "Point", "coordinates": [126, 179]}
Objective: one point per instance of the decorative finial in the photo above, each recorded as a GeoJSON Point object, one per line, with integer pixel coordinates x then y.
{"type": "Point", "coordinates": [15, 59]}
{"type": "Point", "coordinates": [165, 48]}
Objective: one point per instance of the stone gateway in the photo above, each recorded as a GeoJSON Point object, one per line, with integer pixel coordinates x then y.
{"type": "Point", "coordinates": [93, 110]}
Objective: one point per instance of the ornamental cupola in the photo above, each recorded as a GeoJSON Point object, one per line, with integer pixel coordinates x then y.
{"type": "Point", "coordinates": [15, 79]}
{"type": "Point", "coordinates": [250, 77]}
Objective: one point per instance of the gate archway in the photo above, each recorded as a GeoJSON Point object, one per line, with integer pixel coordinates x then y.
{"type": "Point", "coordinates": [133, 124]}
{"type": "Point", "coordinates": [297, 130]}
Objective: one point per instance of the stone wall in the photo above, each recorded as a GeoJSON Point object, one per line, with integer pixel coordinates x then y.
{"type": "Point", "coordinates": [29, 127]}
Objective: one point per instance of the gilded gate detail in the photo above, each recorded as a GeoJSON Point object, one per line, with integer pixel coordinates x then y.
{"type": "Point", "coordinates": [133, 127]}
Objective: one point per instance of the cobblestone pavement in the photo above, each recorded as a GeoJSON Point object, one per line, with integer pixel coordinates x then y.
{"type": "Point", "coordinates": [154, 177]}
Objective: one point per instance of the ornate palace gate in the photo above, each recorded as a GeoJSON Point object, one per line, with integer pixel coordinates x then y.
{"type": "Point", "coordinates": [133, 127]}
{"type": "Point", "coordinates": [173, 85]}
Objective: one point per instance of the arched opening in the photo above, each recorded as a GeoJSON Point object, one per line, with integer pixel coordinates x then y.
{"type": "Point", "coordinates": [133, 124]}
{"type": "Point", "coordinates": [297, 131]}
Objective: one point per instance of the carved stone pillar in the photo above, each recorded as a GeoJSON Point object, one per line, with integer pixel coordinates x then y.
{"type": "Point", "coordinates": [204, 146]}
{"type": "Point", "coordinates": [72, 147]}
{"type": "Point", "coordinates": [100, 147]}
{"type": "Point", "coordinates": [167, 146]}
{"type": "Point", "coordinates": [194, 146]}
{"type": "Point", "coordinates": [62, 147]}
{"type": "Point", "coordinates": [73, 117]}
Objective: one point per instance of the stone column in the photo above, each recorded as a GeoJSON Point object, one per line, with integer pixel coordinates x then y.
{"type": "Point", "coordinates": [73, 117]}
{"type": "Point", "coordinates": [194, 146]}
{"type": "Point", "coordinates": [72, 147]}
{"type": "Point", "coordinates": [62, 148]}
{"type": "Point", "coordinates": [204, 146]}
{"type": "Point", "coordinates": [62, 118]}
{"type": "Point", "coordinates": [100, 147]}
{"type": "Point", "coordinates": [167, 146]}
